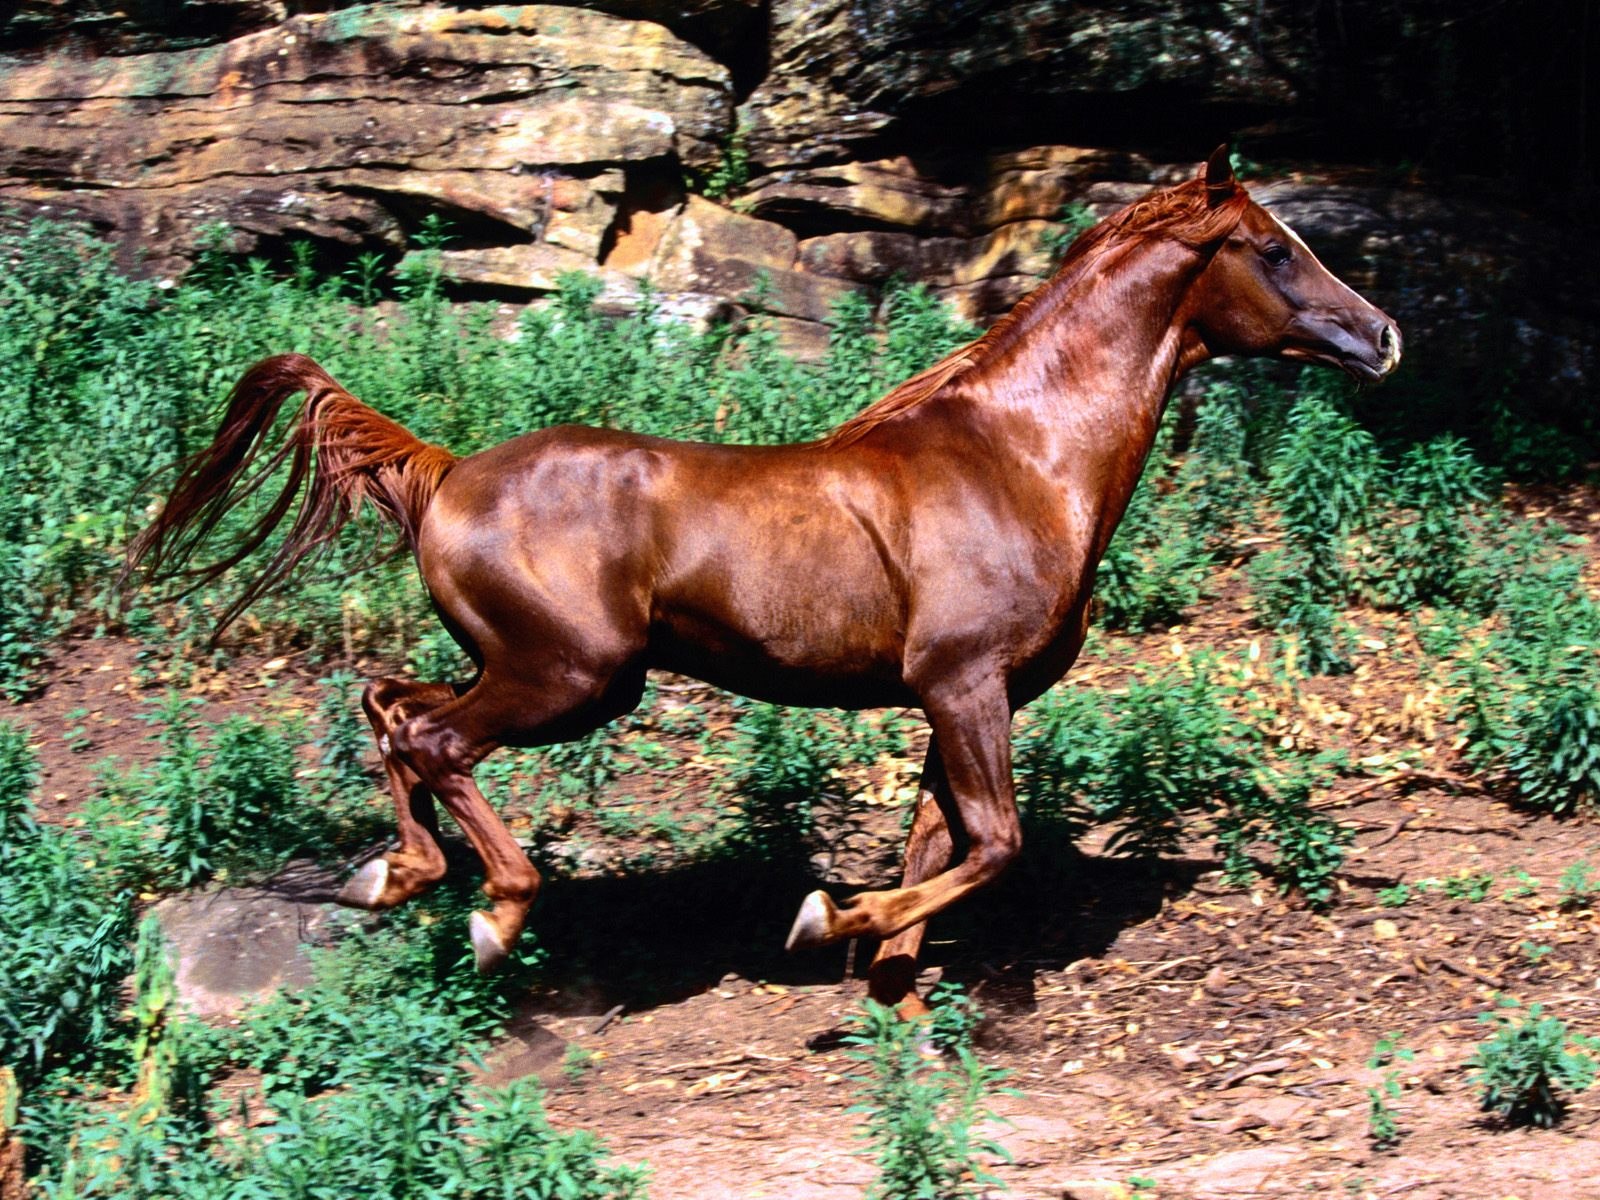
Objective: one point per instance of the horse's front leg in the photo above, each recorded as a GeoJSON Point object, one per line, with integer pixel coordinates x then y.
{"type": "Point", "coordinates": [971, 724]}
{"type": "Point", "coordinates": [892, 978]}
{"type": "Point", "coordinates": [417, 863]}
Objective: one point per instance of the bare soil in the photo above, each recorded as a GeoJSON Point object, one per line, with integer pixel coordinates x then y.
{"type": "Point", "coordinates": [1154, 1021]}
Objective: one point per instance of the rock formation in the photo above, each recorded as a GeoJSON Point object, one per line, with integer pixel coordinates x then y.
{"type": "Point", "coordinates": [845, 143]}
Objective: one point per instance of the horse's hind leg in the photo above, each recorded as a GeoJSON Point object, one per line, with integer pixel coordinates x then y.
{"type": "Point", "coordinates": [417, 863]}
{"type": "Point", "coordinates": [892, 978]}
{"type": "Point", "coordinates": [443, 745]}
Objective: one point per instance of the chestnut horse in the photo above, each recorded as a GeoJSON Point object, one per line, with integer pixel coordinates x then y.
{"type": "Point", "coordinates": [937, 550]}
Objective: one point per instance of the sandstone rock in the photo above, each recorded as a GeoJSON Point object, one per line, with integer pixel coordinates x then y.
{"type": "Point", "coordinates": [705, 248]}
{"type": "Point", "coordinates": [532, 269]}
{"type": "Point", "coordinates": [844, 75]}
{"type": "Point", "coordinates": [869, 256]}
{"type": "Point", "coordinates": [703, 232]}
{"type": "Point", "coordinates": [309, 124]}
{"type": "Point", "coordinates": [886, 192]}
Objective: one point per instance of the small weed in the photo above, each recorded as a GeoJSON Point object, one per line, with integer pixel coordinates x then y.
{"type": "Point", "coordinates": [1523, 885]}
{"type": "Point", "coordinates": [1579, 885]}
{"type": "Point", "coordinates": [76, 734]}
{"type": "Point", "coordinates": [1473, 888]}
{"type": "Point", "coordinates": [919, 1114]}
{"type": "Point", "coordinates": [1383, 1126]}
{"type": "Point", "coordinates": [576, 1062]}
{"type": "Point", "coordinates": [1141, 1187]}
{"type": "Point", "coordinates": [1395, 897]}
{"type": "Point", "coordinates": [1521, 1069]}
{"type": "Point", "coordinates": [1535, 952]}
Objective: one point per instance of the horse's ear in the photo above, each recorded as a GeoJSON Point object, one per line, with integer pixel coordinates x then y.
{"type": "Point", "coordinates": [1220, 183]}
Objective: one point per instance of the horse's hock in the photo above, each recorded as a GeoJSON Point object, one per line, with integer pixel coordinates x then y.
{"type": "Point", "coordinates": [558, 138]}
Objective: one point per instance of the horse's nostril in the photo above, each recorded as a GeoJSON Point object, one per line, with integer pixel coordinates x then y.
{"type": "Point", "coordinates": [1386, 338]}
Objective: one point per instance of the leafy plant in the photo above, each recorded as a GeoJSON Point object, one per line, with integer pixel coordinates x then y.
{"type": "Point", "coordinates": [1396, 896]}
{"type": "Point", "coordinates": [920, 1114]}
{"type": "Point", "coordinates": [1472, 887]}
{"type": "Point", "coordinates": [65, 934]}
{"type": "Point", "coordinates": [1322, 480]}
{"type": "Point", "coordinates": [1173, 744]}
{"type": "Point", "coordinates": [1159, 557]}
{"type": "Point", "coordinates": [1579, 885]}
{"type": "Point", "coordinates": [1383, 1125]}
{"type": "Point", "coordinates": [1425, 544]}
{"type": "Point", "coordinates": [1530, 1059]}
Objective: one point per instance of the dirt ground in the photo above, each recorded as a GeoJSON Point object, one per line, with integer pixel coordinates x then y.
{"type": "Point", "coordinates": [1154, 1021]}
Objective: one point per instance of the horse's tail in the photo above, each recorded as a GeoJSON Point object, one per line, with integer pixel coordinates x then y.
{"type": "Point", "coordinates": [349, 452]}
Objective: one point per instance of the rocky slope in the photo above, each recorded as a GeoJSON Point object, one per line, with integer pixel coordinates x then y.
{"type": "Point", "coordinates": [846, 142]}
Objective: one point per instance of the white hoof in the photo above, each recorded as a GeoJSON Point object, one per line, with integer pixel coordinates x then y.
{"type": "Point", "coordinates": [487, 947]}
{"type": "Point", "coordinates": [813, 923]}
{"type": "Point", "coordinates": [366, 885]}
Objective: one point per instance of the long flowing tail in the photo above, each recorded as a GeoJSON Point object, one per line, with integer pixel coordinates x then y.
{"type": "Point", "coordinates": [349, 452]}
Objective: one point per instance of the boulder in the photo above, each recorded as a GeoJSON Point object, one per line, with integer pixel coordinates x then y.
{"type": "Point", "coordinates": [515, 116]}
{"type": "Point", "coordinates": [237, 946]}
{"type": "Point", "coordinates": [844, 75]}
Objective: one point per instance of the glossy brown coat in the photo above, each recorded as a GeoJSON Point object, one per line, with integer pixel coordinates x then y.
{"type": "Point", "coordinates": [938, 550]}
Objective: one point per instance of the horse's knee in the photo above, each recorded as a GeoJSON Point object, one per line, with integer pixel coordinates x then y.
{"type": "Point", "coordinates": [432, 752]}
{"type": "Point", "coordinates": [995, 852]}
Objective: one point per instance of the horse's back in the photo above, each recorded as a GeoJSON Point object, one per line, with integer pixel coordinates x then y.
{"type": "Point", "coordinates": [743, 563]}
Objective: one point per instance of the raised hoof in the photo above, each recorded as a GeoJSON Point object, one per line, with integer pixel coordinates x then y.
{"type": "Point", "coordinates": [487, 946]}
{"type": "Point", "coordinates": [366, 886]}
{"type": "Point", "coordinates": [813, 924]}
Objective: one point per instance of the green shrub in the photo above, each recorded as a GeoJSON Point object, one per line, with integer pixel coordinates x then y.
{"type": "Point", "coordinates": [1530, 705]}
{"type": "Point", "coordinates": [1158, 558]}
{"type": "Point", "coordinates": [65, 934]}
{"type": "Point", "coordinates": [1215, 481]}
{"type": "Point", "coordinates": [1424, 546]}
{"type": "Point", "coordinates": [1383, 1124]}
{"type": "Point", "coordinates": [1173, 744]}
{"type": "Point", "coordinates": [1528, 1060]}
{"type": "Point", "coordinates": [920, 1114]}
{"type": "Point", "coordinates": [1322, 479]}
{"type": "Point", "coordinates": [788, 761]}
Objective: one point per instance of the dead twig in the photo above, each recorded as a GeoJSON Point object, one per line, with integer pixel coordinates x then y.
{"type": "Point", "coordinates": [1360, 793]}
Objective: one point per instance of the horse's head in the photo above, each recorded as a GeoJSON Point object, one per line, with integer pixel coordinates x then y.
{"type": "Point", "coordinates": [1264, 293]}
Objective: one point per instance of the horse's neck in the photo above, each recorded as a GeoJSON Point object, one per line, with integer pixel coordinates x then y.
{"type": "Point", "coordinates": [1081, 395]}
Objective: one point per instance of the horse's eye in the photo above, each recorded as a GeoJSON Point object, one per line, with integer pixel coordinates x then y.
{"type": "Point", "coordinates": [1276, 255]}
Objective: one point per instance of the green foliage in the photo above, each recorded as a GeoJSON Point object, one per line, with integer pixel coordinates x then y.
{"type": "Point", "coordinates": [920, 1113]}
{"type": "Point", "coordinates": [1322, 479]}
{"type": "Point", "coordinates": [732, 171]}
{"type": "Point", "coordinates": [1425, 544]}
{"type": "Point", "coordinates": [1530, 706]}
{"type": "Point", "coordinates": [64, 930]}
{"type": "Point", "coordinates": [1395, 897]}
{"type": "Point", "coordinates": [344, 739]}
{"type": "Point", "coordinates": [1472, 887]}
{"type": "Point", "coordinates": [1383, 1124]}
{"type": "Point", "coordinates": [1075, 218]}
{"type": "Point", "coordinates": [1175, 744]}
{"type": "Point", "coordinates": [1579, 885]}
{"type": "Point", "coordinates": [1215, 479]}
{"type": "Point", "coordinates": [1520, 1069]}
{"type": "Point", "coordinates": [364, 1075]}
{"type": "Point", "coordinates": [789, 760]}
{"type": "Point", "coordinates": [1159, 556]}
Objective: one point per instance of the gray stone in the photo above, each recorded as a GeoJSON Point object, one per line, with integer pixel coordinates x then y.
{"type": "Point", "coordinates": [237, 946]}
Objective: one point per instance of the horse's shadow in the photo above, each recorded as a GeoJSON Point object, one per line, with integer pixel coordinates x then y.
{"type": "Point", "coordinates": [652, 937]}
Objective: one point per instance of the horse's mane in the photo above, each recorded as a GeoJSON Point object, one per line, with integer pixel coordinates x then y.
{"type": "Point", "coordinates": [1194, 213]}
